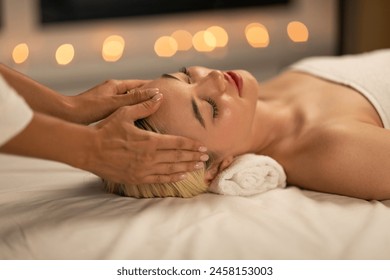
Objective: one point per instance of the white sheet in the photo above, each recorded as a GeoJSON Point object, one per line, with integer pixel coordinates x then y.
{"type": "Point", "coordinates": [52, 211]}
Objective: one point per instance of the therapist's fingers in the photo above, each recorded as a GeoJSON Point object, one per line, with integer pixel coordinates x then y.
{"type": "Point", "coordinates": [144, 109]}
{"type": "Point", "coordinates": [163, 178]}
{"type": "Point", "coordinates": [177, 156]}
{"type": "Point", "coordinates": [172, 142]}
{"type": "Point", "coordinates": [124, 86]}
{"type": "Point", "coordinates": [137, 95]}
{"type": "Point", "coordinates": [178, 168]}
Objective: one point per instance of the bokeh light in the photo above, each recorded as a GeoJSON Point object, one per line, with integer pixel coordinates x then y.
{"type": "Point", "coordinates": [183, 39]}
{"type": "Point", "coordinates": [257, 35]}
{"type": "Point", "coordinates": [65, 54]}
{"type": "Point", "coordinates": [165, 46]}
{"type": "Point", "coordinates": [204, 41]}
{"type": "Point", "coordinates": [20, 53]}
{"type": "Point", "coordinates": [220, 35]}
{"type": "Point", "coordinates": [297, 31]}
{"type": "Point", "coordinates": [113, 47]}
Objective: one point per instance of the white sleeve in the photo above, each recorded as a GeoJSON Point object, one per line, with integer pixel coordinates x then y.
{"type": "Point", "coordinates": [15, 114]}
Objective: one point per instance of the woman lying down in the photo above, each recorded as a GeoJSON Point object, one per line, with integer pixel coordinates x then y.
{"type": "Point", "coordinates": [324, 119]}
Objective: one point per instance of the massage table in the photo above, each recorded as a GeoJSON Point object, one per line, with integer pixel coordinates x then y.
{"type": "Point", "coordinates": [50, 210]}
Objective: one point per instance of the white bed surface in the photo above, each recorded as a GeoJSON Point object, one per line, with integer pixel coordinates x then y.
{"type": "Point", "coordinates": [52, 211]}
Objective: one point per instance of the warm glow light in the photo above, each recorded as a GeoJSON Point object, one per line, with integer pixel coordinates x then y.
{"type": "Point", "coordinates": [220, 35]}
{"type": "Point", "coordinates": [257, 35]}
{"type": "Point", "coordinates": [183, 39]}
{"type": "Point", "coordinates": [20, 53]}
{"type": "Point", "coordinates": [165, 46]}
{"type": "Point", "coordinates": [209, 39]}
{"type": "Point", "coordinates": [65, 54]}
{"type": "Point", "coordinates": [113, 47]}
{"type": "Point", "coordinates": [204, 41]}
{"type": "Point", "coordinates": [297, 31]}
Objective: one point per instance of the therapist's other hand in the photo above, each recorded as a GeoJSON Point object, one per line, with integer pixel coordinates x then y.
{"type": "Point", "coordinates": [102, 100]}
{"type": "Point", "coordinates": [127, 154]}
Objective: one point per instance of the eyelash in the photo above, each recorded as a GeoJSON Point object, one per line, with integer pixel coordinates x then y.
{"type": "Point", "coordinates": [214, 106]}
{"type": "Point", "coordinates": [209, 100]}
{"type": "Point", "coordinates": [185, 71]}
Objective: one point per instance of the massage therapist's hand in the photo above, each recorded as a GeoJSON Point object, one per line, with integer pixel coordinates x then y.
{"type": "Point", "coordinates": [88, 107]}
{"type": "Point", "coordinates": [127, 154]}
{"type": "Point", "coordinates": [100, 101]}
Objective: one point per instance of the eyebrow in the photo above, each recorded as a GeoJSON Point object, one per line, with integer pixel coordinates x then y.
{"type": "Point", "coordinates": [195, 107]}
{"type": "Point", "coordinates": [169, 76]}
{"type": "Point", "coordinates": [197, 113]}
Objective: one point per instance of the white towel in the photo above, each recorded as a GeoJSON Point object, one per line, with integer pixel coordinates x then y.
{"type": "Point", "coordinates": [249, 174]}
{"type": "Point", "coordinates": [367, 73]}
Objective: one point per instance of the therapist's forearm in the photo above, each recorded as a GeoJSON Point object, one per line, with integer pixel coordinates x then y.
{"type": "Point", "coordinates": [67, 142]}
{"type": "Point", "coordinates": [39, 97]}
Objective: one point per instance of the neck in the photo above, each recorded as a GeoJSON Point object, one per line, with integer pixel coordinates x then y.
{"type": "Point", "coordinates": [276, 120]}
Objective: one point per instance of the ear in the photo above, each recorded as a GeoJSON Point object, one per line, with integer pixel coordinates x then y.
{"type": "Point", "coordinates": [217, 168]}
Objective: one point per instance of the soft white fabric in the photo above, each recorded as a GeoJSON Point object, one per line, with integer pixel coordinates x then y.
{"type": "Point", "coordinates": [15, 114]}
{"type": "Point", "coordinates": [52, 211]}
{"type": "Point", "coordinates": [368, 73]}
{"type": "Point", "coordinates": [249, 174]}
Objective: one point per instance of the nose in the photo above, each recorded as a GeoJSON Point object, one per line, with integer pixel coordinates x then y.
{"type": "Point", "coordinates": [215, 82]}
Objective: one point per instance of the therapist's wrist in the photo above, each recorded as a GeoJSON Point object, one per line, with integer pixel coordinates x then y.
{"type": "Point", "coordinates": [82, 110]}
{"type": "Point", "coordinates": [76, 110]}
{"type": "Point", "coordinates": [70, 109]}
{"type": "Point", "coordinates": [90, 151]}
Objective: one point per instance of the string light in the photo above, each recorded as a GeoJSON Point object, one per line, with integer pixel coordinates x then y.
{"type": "Point", "coordinates": [113, 47]}
{"type": "Point", "coordinates": [297, 31]}
{"type": "Point", "coordinates": [204, 41]}
{"type": "Point", "coordinates": [257, 35]}
{"type": "Point", "coordinates": [183, 39]}
{"type": "Point", "coordinates": [65, 54]}
{"type": "Point", "coordinates": [165, 46]}
{"type": "Point", "coordinates": [20, 53]}
{"type": "Point", "coordinates": [220, 36]}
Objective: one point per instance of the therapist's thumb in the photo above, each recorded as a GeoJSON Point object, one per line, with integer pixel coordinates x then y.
{"type": "Point", "coordinates": [146, 108]}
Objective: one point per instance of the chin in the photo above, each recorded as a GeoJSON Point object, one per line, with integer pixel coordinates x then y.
{"type": "Point", "coordinates": [251, 86]}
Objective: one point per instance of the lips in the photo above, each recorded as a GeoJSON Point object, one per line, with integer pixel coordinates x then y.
{"type": "Point", "coordinates": [236, 79]}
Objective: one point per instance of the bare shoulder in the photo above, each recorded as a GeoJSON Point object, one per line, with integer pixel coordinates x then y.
{"type": "Point", "coordinates": [347, 157]}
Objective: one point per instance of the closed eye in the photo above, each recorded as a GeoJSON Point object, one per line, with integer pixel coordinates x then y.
{"type": "Point", "coordinates": [185, 71]}
{"type": "Point", "coordinates": [209, 100]}
{"type": "Point", "coordinates": [214, 107]}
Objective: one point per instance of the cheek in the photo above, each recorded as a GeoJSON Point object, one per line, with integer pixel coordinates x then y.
{"type": "Point", "coordinates": [237, 124]}
{"type": "Point", "coordinates": [237, 116]}
{"type": "Point", "coordinates": [233, 125]}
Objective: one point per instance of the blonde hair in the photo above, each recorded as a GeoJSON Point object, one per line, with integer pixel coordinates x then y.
{"type": "Point", "coordinates": [193, 185]}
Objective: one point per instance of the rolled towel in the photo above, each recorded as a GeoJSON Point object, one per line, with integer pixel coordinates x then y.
{"type": "Point", "coordinates": [249, 174]}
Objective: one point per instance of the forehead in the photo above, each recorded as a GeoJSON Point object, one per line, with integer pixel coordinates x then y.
{"type": "Point", "coordinates": [174, 115]}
